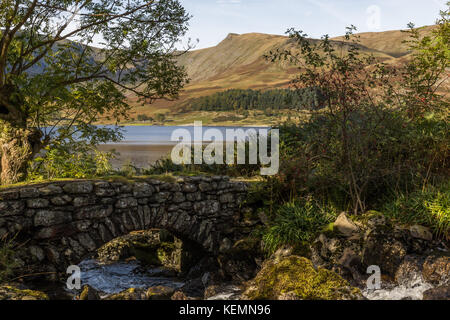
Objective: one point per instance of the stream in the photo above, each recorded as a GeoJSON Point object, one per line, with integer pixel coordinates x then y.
{"type": "Point", "coordinates": [120, 276]}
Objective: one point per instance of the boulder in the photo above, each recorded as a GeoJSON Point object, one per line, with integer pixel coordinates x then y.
{"type": "Point", "coordinates": [436, 269]}
{"type": "Point", "coordinates": [345, 226]}
{"type": "Point", "coordinates": [179, 295]}
{"type": "Point", "coordinates": [439, 293]}
{"type": "Point", "coordinates": [420, 232]}
{"type": "Point", "coordinates": [160, 293]}
{"type": "Point", "coordinates": [239, 262]}
{"type": "Point", "coordinates": [410, 268]}
{"type": "Point", "coordinates": [295, 278]}
{"type": "Point", "coordinates": [9, 292]}
{"type": "Point", "coordinates": [130, 294]}
{"type": "Point", "coordinates": [383, 250]}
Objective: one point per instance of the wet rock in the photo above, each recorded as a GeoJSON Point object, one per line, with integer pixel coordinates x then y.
{"type": "Point", "coordinates": [436, 269]}
{"type": "Point", "coordinates": [439, 293]}
{"type": "Point", "coordinates": [89, 293]}
{"type": "Point", "coordinates": [223, 292]}
{"type": "Point", "coordinates": [159, 293]}
{"type": "Point", "coordinates": [381, 249]}
{"type": "Point", "coordinates": [130, 294]}
{"type": "Point", "coordinates": [239, 262]}
{"type": "Point", "coordinates": [194, 289]}
{"type": "Point", "coordinates": [410, 267]}
{"type": "Point", "coordinates": [9, 292]}
{"type": "Point", "coordinates": [203, 266]}
{"type": "Point", "coordinates": [179, 295]}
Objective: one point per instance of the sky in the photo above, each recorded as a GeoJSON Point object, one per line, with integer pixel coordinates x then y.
{"type": "Point", "coordinates": [213, 20]}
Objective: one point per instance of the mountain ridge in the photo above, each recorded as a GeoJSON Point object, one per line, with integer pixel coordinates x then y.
{"type": "Point", "coordinates": [237, 62]}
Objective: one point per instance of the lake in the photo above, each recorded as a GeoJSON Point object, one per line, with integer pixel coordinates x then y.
{"type": "Point", "coordinates": [142, 146]}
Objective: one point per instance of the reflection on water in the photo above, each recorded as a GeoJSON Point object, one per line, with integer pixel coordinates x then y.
{"type": "Point", "coordinates": [142, 146]}
{"type": "Point", "coordinates": [161, 135]}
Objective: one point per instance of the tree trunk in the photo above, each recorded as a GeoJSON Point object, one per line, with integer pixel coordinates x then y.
{"type": "Point", "coordinates": [18, 147]}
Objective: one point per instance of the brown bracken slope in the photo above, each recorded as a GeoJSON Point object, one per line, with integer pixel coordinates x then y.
{"type": "Point", "coordinates": [237, 62]}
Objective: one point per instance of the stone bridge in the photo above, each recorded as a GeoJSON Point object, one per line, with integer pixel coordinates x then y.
{"type": "Point", "coordinates": [60, 223]}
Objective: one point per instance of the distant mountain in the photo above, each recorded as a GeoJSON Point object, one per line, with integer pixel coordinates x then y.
{"type": "Point", "coordinates": [237, 63]}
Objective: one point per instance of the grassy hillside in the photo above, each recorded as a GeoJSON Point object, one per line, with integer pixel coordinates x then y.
{"type": "Point", "coordinates": [237, 63]}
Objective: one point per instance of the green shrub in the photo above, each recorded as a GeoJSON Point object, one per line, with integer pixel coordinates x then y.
{"type": "Point", "coordinates": [429, 207]}
{"type": "Point", "coordinates": [83, 161]}
{"type": "Point", "coordinates": [296, 223]}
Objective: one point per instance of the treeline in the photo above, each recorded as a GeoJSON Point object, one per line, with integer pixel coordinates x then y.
{"type": "Point", "coordinates": [276, 99]}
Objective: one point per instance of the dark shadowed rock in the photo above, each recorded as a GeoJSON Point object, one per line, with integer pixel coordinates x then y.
{"type": "Point", "coordinates": [439, 293]}
{"type": "Point", "coordinates": [436, 269]}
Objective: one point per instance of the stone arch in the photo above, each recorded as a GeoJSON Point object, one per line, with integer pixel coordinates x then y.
{"type": "Point", "coordinates": [62, 222]}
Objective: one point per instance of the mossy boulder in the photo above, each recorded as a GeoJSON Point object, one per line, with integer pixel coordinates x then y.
{"type": "Point", "coordinates": [8, 292]}
{"type": "Point", "coordinates": [295, 277]}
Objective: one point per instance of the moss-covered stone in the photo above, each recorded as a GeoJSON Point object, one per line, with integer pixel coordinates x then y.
{"type": "Point", "coordinates": [8, 292]}
{"type": "Point", "coordinates": [296, 276]}
{"type": "Point", "coordinates": [130, 294]}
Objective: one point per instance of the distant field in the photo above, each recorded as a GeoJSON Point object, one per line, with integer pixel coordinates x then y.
{"type": "Point", "coordinates": [216, 118]}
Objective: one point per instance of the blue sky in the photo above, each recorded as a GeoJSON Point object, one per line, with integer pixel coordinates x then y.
{"type": "Point", "coordinates": [214, 19]}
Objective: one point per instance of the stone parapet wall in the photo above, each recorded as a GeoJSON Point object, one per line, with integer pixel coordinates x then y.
{"type": "Point", "coordinates": [60, 223]}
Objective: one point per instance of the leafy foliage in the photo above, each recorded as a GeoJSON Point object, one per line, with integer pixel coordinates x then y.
{"type": "Point", "coordinates": [297, 222]}
{"type": "Point", "coordinates": [370, 136]}
{"type": "Point", "coordinates": [429, 207]}
{"type": "Point", "coordinates": [7, 261]}
{"type": "Point", "coordinates": [63, 64]}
